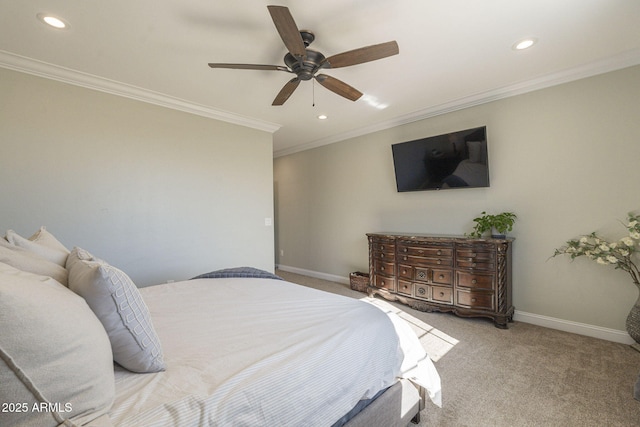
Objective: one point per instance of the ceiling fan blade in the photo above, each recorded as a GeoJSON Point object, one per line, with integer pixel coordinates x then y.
{"type": "Point", "coordinates": [286, 91]}
{"type": "Point", "coordinates": [288, 30]}
{"type": "Point", "coordinates": [339, 87]}
{"type": "Point", "coordinates": [251, 67]}
{"type": "Point", "coordinates": [364, 54]}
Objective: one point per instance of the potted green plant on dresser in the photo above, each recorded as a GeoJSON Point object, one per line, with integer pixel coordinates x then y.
{"type": "Point", "coordinates": [499, 224]}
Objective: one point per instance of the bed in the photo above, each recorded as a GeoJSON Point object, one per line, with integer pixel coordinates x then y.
{"type": "Point", "coordinates": [237, 347]}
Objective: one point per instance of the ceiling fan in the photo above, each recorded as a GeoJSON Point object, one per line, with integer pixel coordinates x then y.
{"type": "Point", "coordinates": [305, 63]}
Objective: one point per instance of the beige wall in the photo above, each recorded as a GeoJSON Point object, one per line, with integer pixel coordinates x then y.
{"type": "Point", "coordinates": [566, 159]}
{"type": "Point", "coordinates": [161, 194]}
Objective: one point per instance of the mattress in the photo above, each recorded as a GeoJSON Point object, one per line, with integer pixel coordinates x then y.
{"type": "Point", "coordinates": [263, 352]}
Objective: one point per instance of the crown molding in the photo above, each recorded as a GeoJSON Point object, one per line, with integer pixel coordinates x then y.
{"type": "Point", "coordinates": [617, 62]}
{"type": "Point", "coordinates": [42, 69]}
{"type": "Point", "coordinates": [65, 75]}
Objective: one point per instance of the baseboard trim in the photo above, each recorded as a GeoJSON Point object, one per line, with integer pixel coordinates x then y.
{"type": "Point", "coordinates": [315, 274]}
{"type": "Point", "coordinates": [607, 334]}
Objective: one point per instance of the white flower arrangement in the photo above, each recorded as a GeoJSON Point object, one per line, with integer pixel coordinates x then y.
{"type": "Point", "coordinates": [619, 254]}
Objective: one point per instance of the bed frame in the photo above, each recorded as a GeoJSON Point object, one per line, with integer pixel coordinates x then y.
{"type": "Point", "coordinates": [396, 407]}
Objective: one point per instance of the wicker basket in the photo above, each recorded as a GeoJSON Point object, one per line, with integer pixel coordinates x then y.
{"type": "Point", "coordinates": [359, 281]}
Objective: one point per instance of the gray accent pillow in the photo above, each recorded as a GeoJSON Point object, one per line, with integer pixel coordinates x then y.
{"type": "Point", "coordinates": [79, 254]}
{"type": "Point", "coordinates": [53, 350]}
{"type": "Point", "coordinates": [116, 301]}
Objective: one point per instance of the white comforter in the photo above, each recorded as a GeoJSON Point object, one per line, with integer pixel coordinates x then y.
{"type": "Point", "coordinates": [263, 352]}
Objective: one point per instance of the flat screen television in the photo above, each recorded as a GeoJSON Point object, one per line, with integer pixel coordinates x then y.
{"type": "Point", "coordinates": [449, 161]}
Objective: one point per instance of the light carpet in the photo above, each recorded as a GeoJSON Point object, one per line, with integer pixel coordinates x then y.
{"type": "Point", "coordinates": [526, 375]}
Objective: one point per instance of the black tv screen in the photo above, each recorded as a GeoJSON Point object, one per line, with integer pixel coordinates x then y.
{"type": "Point", "coordinates": [452, 160]}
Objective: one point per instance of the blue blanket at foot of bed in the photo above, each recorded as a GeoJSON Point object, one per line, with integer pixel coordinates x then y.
{"type": "Point", "coordinates": [238, 272]}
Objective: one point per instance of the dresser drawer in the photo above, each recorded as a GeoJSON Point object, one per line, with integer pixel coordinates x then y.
{"type": "Point", "coordinates": [384, 256]}
{"type": "Point", "coordinates": [475, 264]}
{"type": "Point", "coordinates": [425, 251]}
{"type": "Point", "coordinates": [405, 272]}
{"type": "Point", "coordinates": [422, 291]}
{"type": "Point", "coordinates": [442, 277]}
{"type": "Point", "coordinates": [384, 282]}
{"type": "Point", "coordinates": [475, 280]}
{"type": "Point", "coordinates": [478, 300]}
{"type": "Point", "coordinates": [475, 258]}
{"type": "Point", "coordinates": [475, 247]}
{"type": "Point", "coordinates": [383, 245]}
{"type": "Point", "coordinates": [440, 294]}
{"type": "Point", "coordinates": [382, 267]}
{"type": "Point", "coordinates": [471, 255]}
{"type": "Point", "coordinates": [404, 287]}
{"type": "Point", "coordinates": [425, 261]}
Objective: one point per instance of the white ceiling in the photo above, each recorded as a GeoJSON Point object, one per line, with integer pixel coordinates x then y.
{"type": "Point", "coordinates": [453, 54]}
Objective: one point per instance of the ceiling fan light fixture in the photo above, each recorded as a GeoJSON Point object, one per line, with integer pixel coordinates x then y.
{"type": "Point", "coordinates": [524, 43]}
{"type": "Point", "coordinates": [323, 117]}
{"type": "Point", "coordinates": [53, 21]}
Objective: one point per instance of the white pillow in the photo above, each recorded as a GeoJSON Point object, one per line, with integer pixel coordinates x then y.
{"type": "Point", "coordinates": [116, 301]}
{"type": "Point", "coordinates": [52, 349]}
{"type": "Point", "coordinates": [41, 243]}
{"type": "Point", "coordinates": [25, 260]}
{"type": "Point", "coordinates": [10, 270]}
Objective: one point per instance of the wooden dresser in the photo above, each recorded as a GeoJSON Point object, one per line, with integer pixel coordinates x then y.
{"type": "Point", "coordinates": [469, 277]}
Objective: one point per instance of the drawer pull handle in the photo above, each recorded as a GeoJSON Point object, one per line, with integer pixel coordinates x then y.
{"type": "Point", "coordinates": [382, 268]}
{"type": "Point", "coordinates": [404, 286]}
{"type": "Point", "coordinates": [404, 258]}
{"type": "Point", "coordinates": [439, 262]}
{"type": "Point", "coordinates": [441, 276]}
{"type": "Point", "coordinates": [473, 300]}
{"type": "Point", "coordinates": [381, 255]}
{"type": "Point", "coordinates": [439, 253]}
{"type": "Point", "coordinates": [441, 294]}
{"type": "Point", "coordinates": [473, 265]}
{"type": "Point", "coordinates": [405, 250]}
{"type": "Point", "coordinates": [474, 281]}
{"type": "Point", "coordinates": [382, 247]}
{"type": "Point", "coordinates": [421, 291]}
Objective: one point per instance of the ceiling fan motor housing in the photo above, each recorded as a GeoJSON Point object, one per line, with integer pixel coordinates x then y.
{"type": "Point", "coordinates": [306, 67]}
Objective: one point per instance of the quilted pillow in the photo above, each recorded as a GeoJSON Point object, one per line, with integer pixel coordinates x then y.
{"type": "Point", "coordinates": [25, 260]}
{"type": "Point", "coordinates": [41, 243]}
{"type": "Point", "coordinates": [116, 301]}
{"type": "Point", "coordinates": [52, 349]}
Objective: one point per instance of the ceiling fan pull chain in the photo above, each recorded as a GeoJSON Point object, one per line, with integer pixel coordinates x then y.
{"type": "Point", "coordinates": [313, 92]}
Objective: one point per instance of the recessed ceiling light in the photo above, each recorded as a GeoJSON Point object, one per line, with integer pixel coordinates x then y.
{"type": "Point", "coordinates": [524, 43]}
{"type": "Point", "coordinates": [322, 117]}
{"type": "Point", "coordinates": [53, 21]}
